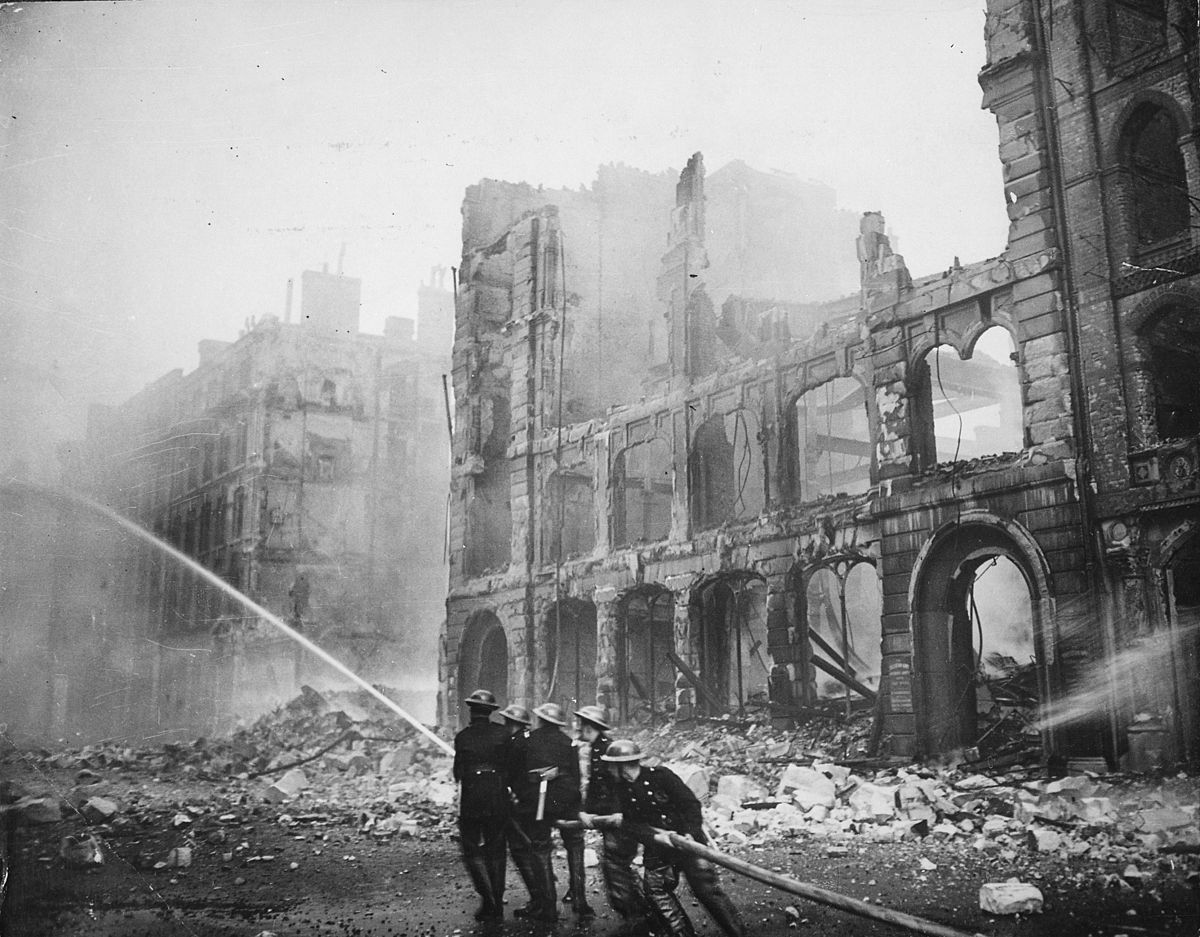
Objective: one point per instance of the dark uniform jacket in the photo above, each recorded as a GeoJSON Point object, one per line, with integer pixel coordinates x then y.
{"type": "Point", "coordinates": [481, 753]}
{"type": "Point", "coordinates": [601, 794]}
{"type": "Point", "coordinates": [547, 747]}
{"type": "Point", "coordinates": [660, 798]}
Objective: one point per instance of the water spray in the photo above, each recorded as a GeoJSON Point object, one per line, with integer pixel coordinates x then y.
{"type": "Point", "coordinates": [215, 580]}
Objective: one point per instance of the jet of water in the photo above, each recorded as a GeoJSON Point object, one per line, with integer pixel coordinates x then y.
{"type": "Point", "coordinates": [215, 580]}
{"type": "Point", "coordinates": [1148, 660]}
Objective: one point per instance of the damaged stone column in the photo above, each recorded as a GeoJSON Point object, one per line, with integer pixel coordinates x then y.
{"type": "Point", "coordinates": [608, 631]}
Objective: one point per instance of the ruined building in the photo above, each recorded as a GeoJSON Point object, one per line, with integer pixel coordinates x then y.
{"type": "Point", "coordinates": [304, 464]}
{"type": "Point", "coordinates": [966, 500]}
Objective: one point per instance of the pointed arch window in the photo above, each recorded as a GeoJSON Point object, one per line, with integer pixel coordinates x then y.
{"type": "Point", "coordinates": [1156, 195]}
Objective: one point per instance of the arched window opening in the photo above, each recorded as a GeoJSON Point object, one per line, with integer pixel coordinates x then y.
{"type": "Point", "coordinates": [725, 469]}
{"type": "Point", "coordinates": [645, 672]}
{"type": "Point", "coordinates": [834, 443]}
{"type": "Point", "coordinates": [328, 393]}
{"type": "Point", "coordinates": [570, 641]}
{"type": "Point", "coordinates": [966, 410]}
{"type": "Point", "coordinates": [1171, 346]}
{"type": "Point", "coordinates": [568, 520]}
{"type": "Point", "coordinates": [642, 493]}
{"type": "Point", "coordinates": [735, 667]}
{"type": "Point", "coordinates": [1157, 191]}
{"type": "Point", "coordinates": [844, 604]}
{"type": "Point", "coordinates": [482, 660]}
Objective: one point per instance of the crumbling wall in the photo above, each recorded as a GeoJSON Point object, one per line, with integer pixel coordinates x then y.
{"type": "Point", "coordinates": [1049, 500]}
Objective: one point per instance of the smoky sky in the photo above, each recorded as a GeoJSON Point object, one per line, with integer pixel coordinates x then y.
{"type": "Point", "coordinates": [166, 167]}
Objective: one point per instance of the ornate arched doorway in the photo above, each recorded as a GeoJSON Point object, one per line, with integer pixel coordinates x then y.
{"type": "Point", "coordinates": [729, 633]}
{"type": "Point", "coordinates": [980, 612]}
{"type": "Point", "coordinates": [482, 660]}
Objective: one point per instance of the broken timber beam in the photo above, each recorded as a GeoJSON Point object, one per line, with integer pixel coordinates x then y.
{"type": "Point", "coordinates": [702, 688]}
{"type": "Point", "coordinates": [837, 673]}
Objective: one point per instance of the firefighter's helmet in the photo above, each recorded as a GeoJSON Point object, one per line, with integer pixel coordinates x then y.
{"type": "Point", "coordinates": [622, 750]}
{"type": "Point", "coordinates": [594, 715]}
{"type": "Point", "coordinates": [484, 699]}
{"type": "Point", "coordinates": [551, 712]}
{"type": "Point", "coordinates": [514, 713]}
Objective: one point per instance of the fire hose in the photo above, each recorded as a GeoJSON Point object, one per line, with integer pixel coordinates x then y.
{"type": "Point", "coordinates": [774, 879]}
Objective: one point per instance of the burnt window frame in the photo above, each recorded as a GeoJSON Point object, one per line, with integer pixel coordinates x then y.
{"type": "Point", "coordinates": [1133, 128]}
{"type": "Point", "coordinates": [792, 438]}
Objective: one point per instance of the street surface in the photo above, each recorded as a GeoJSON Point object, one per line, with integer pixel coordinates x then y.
{"type": "Point", "coordinates": [326, 818]}
{"type": "Point", "coordinates": [297, 877]}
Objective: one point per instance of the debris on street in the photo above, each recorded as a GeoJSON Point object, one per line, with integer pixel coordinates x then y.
{"type": "Point", "coordinates": [208, 805]}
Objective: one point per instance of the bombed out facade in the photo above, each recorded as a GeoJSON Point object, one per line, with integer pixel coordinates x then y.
{"type": "Point", "coordinates": [683, 486]}
{"type": "Point", "coordinates": [295, 464]}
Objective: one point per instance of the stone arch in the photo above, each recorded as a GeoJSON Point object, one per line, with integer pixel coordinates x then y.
{"type": "Point", "coordinates": [727, 616]}
{"type": "Point", "coordinates": [1147, 97]}
{"type": "Point", "coordinates": [482, 659]}
{"type": "Point", "coordinates": [645, 677]}
{"type": "Point", "coordinates": [946, 661]}
{"type": "Point", "coordinates": [837, 612]}
{"type": "Point", "coordinates": [1173, 684]}
{"type": "Point", "coordinates": [725, 474]}
{"type": "Point", "coordinates": [1152, 173]}
{"type": "Point", "coordinates": [569, 639]}
{"type": "Point", "coordinates": [965, 405]}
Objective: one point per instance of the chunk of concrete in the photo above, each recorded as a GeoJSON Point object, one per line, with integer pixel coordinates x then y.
{"type": "Point", "coordinates": [395, 760]}
{"type": "Point", "coordinates": [873, 801]}
{"type": "Point", "coordinates": [1046, 840]}
{"type": "Point", "coordinates": [83, 853]}
{"type": "Point", "coordinates": [1009, 898]}
{"type": "Point", "coordinates": [293, 782]}
{"type": "Point", "coordinates": [807, 787]}
{"type": "Point", "coordinates": [1160, 819]}
{"type": "Point", "coordinates": [99, 809]}
{"type": "Point", "coordinates": [740, 788]}
{"type": "Point", "coordinates": [179, 858]}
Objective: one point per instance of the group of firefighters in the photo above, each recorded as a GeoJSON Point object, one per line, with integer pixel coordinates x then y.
{"type": "Point", "coordinates": [521, 780]}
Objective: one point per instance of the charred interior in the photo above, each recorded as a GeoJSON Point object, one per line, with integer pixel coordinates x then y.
{"type": "Point", "coordinates": [965, 502]}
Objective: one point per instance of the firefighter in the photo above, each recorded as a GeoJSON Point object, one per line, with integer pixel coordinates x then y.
{"type": "Point", "coordinates": [481, 753]}
{"type": "Point", "coordinates": [517, 721]}
{"type": "Point", "coordinates": [545, 781]}
{"type": "Point", "coordinates": [657, 797]}
{"type": "Point", "coordinates": [617, 849]}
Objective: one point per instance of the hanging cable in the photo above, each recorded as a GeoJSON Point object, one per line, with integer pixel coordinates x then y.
{"type": "Point", "coordinates": [558, 446]}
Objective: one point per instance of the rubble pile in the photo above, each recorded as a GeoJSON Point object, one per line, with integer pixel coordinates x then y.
{"type": "Point", "coordinates": [342, 760]}
{"type": "Point", "coordinates": [761, 786]}
{"type": "Point", "coordinates": [322, 760]}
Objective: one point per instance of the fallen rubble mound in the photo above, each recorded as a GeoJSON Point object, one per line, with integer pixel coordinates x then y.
{"type": "Point", "coordinates": [342, 759]}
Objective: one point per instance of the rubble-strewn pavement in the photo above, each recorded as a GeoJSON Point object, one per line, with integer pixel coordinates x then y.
{"type": "Point", "coordinates": [227, 837]}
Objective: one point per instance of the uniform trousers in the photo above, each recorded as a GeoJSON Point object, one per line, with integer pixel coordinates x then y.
{"type": "Point", "coordinates": [662, 868]}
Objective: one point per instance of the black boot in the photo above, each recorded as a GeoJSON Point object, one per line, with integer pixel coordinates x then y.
{"type": "Point", "coordinates": [544, 867]}
{"type": "Point", "coordinates": [477, 868]}
{"type": "Point", "coordinates": [577, 877]}
{"type": "Point", "coordinates": [668, 914]}
{"type": "Point", "coordinates": [706, 886]}
{"type": "Point", "coordinates": [527, 869]}
{"type": "Point", "coordinates": [497, 864]}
